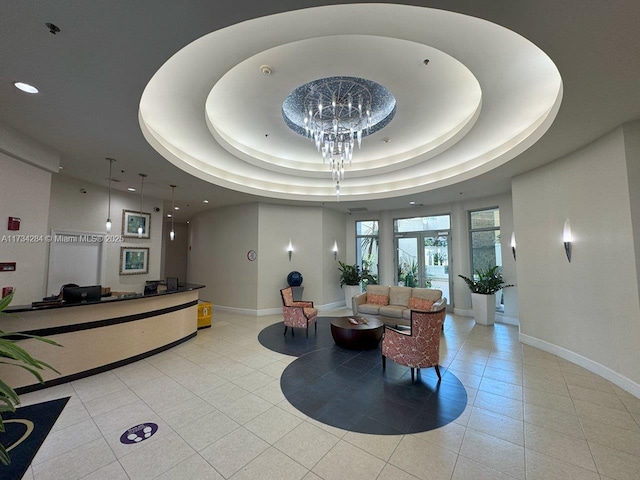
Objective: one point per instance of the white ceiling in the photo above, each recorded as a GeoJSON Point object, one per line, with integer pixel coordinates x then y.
{"type": "Point", "coordinates": [93, 73]}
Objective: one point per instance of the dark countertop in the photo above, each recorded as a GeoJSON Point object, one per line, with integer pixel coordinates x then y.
{"type": "Point", "coordinates": [133, 296]}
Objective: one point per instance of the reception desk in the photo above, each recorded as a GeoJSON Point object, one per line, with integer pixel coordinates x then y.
{"type": "Point", "coordinates": [99, 336]}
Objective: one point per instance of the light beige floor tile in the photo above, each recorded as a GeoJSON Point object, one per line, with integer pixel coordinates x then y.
{"type": "Point", "coordinates": [466, 469]}
{"type": "Point", "coordinates": [206, 430]}
{"type": "Point", "coordinates": [612, 437]}
{"type": "Point", "coordinates": [85, 459]}
{"type": "Point", "coordinates": [50, 393]}
{"type": "Point", "coordinates": [170, 362]}
{"type": "Point", "coordinates": [221, 396]}
{"type": "Point", "coordinates": [246, 408]}
{"type": "Point", "coordinates": [499, 404]}
{"type": "Point", "coordinates": [494, 453]}
{"type": "Point", "coordinates": [510, 365]}
{"type": "Point", "coordinates": [193, 468]}
{"type": "Point", "coordinates": [66, 440]}
{"type": "Point", "coordinates": [422, 459]}
{"type": "Point", "coordinates": [234, 451]}
{"type": "Point", "coordinates": [162, 393]}
{"type": "Point", "coordinates": [448, 437]}
{"type": "Point", "coordinates": [231, 371]}
{"type": "Point", "coordinates": [549, 400]}
{"type": "Point", "coordinates": [275, 369]}
{"type": "Point", "coordinates": [271, 465]}
{"type": "Point", "coordinates": [545, 384]}
{"type": "Point", "coordinates": [543, 467]}
{"type": "Point", "coordinates": [590, 381]}
{"type": "Point", "coordinates": [631, 403]}
{"type": "Point", "coordinates": [533, 371]}
{"type": "Point", "coordinates": [138, 372]}
{"type": "Point", "coordinates": [467, 367]}
{"type": "Point", "coordinates": [253, 381]}
{"type": "Point", "coordinates": [389, 472]}
{"type": "Point", "coordinates": [609, 416]}
{"type": "Point", "coordinates": [110, 402]}
{"type": "Point", "coordinates": [503, 375]}
{"type": "Point", "coordinates": [501, 388]}
{"type": "Point", "coordinates": [616, 464]}
{"type": "Point", "coordinates": [603, 399]}
{"type": "Point", "coordinates": [113, 471]}
{"type": "Point", "coordinates": [125, 417]}
{"type": "Point", "coordinates": [271, 392]}
{"type": "Point", "coordinates": [285, 405]}
{"type": "Point", "coordinates": [186, 412]}
{"type": "Point", "coordinates": [469, 380]}
{"type": "Point", "coordinates": [156, 458]}
{"type": "Point", "coordinates": [198, 379]}
{"type": "Point", "coordinates": [97, 385]}
{"type": "Point", "coordinates": [380, 446]}
{"type": "Point", "coordinates": [564, 447]}
{"type": "Point", "coordinates": [306, 444]}
{"type": "Point", "coordinates": [553, 419]}
{"type": "Point", "coordinates": [71, 416]}
{"type": "Point", "coordinates": [347, 461]}
{"type": "Point", "coordinates": [273, 424]}
{"type": "Point", "coordinates": [501, 426]}
{"type": "Point", "coordinates": [463, 418]}
{"type": "Point", "coordinates": [338, 432]}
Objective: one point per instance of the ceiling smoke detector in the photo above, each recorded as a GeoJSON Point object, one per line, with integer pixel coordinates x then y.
{"type": "Point", "coordinates": [266, 70]}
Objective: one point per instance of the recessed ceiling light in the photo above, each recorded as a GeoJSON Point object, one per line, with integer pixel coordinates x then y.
{"type": "Point", "coordinates": [412, 203]}
{"type": "Point", "coordinates": [176, 208]}
{"type": "Point", "coordinates": [205, 201]}
{"type": "Point", "coordinates": [386, 139]}
{"type": "Point", "coordinates": [60, 167]}
{"type": "Point", "coordinates": [25, 87]}
{"type": "Point", "coordinates": [131, 189]}
{"type": "Point", "coordinates": [169, 215]}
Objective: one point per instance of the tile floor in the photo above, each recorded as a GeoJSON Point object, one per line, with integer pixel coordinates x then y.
{"type": "Point", "coordinates": [221, 414]}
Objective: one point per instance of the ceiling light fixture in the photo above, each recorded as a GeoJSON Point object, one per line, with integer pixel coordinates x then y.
{"type": "Point", "coordinates": [131, 189]}
{"type": "Point", "coordinates": [25, 87]}
{"type": "Point", "coordinates": [205, 201]}
{"type": "Point", "coordinates": [140, 229]}
{"type": "Point", "coordinates": [108, 224]}
{"type": "Point", "coordinates": [172, 233]}
{"type": "Point", "coordinates": [335, 113]}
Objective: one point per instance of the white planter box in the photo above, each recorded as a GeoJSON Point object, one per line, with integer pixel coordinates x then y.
{"type": "Point", "coordinates": [484, 308]}
{"type": "Point", "coordinates": [350, 291]}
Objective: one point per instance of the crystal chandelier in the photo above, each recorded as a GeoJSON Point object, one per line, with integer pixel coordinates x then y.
{"type": "Point", "coordinates": [335, 113]}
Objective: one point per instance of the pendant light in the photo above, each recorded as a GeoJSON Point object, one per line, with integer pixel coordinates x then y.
{"type": "Point", "coordinates": [108, 224]}
{"type": "Point", "coordinates": [172, 233]}
{"type": "Point", "coordinates": [142, 175]}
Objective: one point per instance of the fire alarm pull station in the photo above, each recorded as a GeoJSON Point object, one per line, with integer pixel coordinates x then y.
{"type": "Point", "coordinates": [6, 291]}
{"type": "Point", "coordinates": [8, 267]}
{"type": "Point", "coordinates": [14, 223]}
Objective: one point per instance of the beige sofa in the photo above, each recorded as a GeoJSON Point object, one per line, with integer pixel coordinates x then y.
{"type": "Point", "coordinates": [399, 302]}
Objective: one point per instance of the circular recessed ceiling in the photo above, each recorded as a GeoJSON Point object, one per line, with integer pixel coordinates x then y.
{"type": "Point", "coordinates": [485, 95]}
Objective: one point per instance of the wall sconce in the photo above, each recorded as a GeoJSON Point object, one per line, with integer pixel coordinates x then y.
{"type": "Point", "coordinates": [567, 238]}
{"type": "Point", "coordinates": [513, 244]}
{"type": "Point", "coordinates": [335, 250]}
{"type": "Point", "coordinates": [290, 249]}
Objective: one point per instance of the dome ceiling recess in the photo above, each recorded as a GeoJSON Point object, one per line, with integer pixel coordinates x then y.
{"type": "Point", "coordinates": [469, 96]}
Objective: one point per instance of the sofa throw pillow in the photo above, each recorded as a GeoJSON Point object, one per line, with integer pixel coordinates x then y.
{"type": "Point", "coordinates": [420, 303]}
{"type": "Point", "coordinates": [377, 299]}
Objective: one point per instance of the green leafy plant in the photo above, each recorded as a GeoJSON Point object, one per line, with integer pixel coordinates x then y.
{"type": "Point", "coordinates": [486, 281]}
{"type": "Point", "coordinates": [349, 274]}
{"type": "Point", "coordinates": [18, 357]}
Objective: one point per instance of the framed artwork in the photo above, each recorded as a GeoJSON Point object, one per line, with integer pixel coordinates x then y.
{"type": "Point", "coordinates": [134, 260]}
{"type": "Point", "coordinates": [132, 220]}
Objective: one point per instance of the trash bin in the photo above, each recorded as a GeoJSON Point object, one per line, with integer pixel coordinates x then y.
{"type": "Point", "coordinates": [204, 315]}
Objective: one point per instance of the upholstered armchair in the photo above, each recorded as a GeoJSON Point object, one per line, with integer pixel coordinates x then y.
{"type": "Point", "coordinates": [297, 313]}
{"type": "Point", "coordinates": [418, 347]}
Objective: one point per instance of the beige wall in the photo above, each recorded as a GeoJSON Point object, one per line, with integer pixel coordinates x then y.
{"type": "Point", "coordinates": [73, 211]}
{"type": "Point", "coordinates": [588, 310]}
{"type": "Point", "coordinates": [174, 252]}
{"type": "Point", "coordinates": [24, 193]}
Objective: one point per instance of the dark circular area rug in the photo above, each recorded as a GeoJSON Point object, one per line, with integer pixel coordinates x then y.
{"type": "Point", "coordinates": [348, 389]}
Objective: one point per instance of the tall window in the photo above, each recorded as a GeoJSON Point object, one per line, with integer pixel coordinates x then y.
{"type": "Point", "coordinates": [367, 249]}
{"type": "Point", "coordinates": [485, 239]}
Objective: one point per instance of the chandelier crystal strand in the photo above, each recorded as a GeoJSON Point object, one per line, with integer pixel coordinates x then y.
{"type": "Point", "coordinates": [335, 113]}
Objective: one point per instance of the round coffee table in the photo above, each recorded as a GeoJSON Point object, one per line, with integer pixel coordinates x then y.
{"type": "Point", "coordinates": [363, 336]}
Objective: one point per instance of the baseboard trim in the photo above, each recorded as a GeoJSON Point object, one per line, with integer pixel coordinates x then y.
{"type": "Point", "coordinates": [605, 372]}
{"type": "Point", "coordinates": [500, 317]}
{"type": "Point", "coordinates": [272, 311]}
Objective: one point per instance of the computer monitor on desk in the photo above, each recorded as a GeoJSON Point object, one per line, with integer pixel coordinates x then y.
{"type": "Point", "coordinates": [172, 284]}
{"type": "Point", "coordinates": [82, 294]}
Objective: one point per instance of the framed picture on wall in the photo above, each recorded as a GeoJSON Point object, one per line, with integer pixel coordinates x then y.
{"type": "Point", "coordinates": [132, 221]}
{"type": "Point", "coordinates": [134, 260]}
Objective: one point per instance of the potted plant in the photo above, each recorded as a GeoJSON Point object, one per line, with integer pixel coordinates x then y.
{"type": "Point", "coordinates": [350, 278]}
{"type": "Point", "coordinates": [18, 357]}
{"type": "Point", "coordinates": [484, 285]}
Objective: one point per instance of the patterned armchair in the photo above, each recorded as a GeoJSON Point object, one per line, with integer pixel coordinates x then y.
{"type": "Point", "coordinates": [297, 313]}
{"type": "Point", "coordinates": [419, 347]}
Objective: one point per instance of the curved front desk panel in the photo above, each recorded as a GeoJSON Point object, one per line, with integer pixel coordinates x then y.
{"type": "Point", "coordinates": [99, 336]}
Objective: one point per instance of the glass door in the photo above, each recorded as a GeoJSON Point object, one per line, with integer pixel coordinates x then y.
{"type": "Point", "coordinates": [422, 260]}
